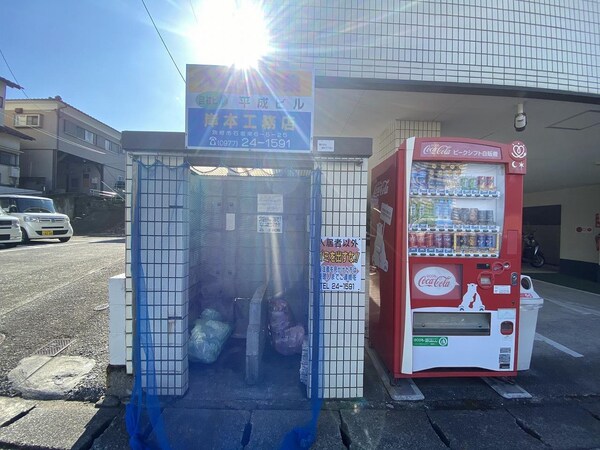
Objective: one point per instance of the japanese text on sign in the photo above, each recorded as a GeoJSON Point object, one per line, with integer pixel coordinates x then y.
{"type": "Point", "coordinates": [267, 111]}
{"type": "Point", "coordinates": [269, 224]}
{"type": "Point", "coordinates": [341, 264]}
{"type": "Point", "coordinates": [460, 150]}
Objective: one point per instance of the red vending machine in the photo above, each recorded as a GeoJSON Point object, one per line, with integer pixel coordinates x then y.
{"type": "Point", "coordinates": [446, 243]}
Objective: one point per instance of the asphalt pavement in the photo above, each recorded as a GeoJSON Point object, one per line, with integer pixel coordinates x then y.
{"type": "Point", "coordinates": [58, 291]}
{"type": "Point", "coordinates": [458, 413]}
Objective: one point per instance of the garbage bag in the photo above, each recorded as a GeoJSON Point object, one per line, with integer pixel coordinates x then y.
{"type": "Point", "coordinates": [286, 337]}
{"type": "Point", "coordinates": [208, 337]}
{"type": "Point", "coordinates": [290, 341]}
{"type": "Point", "coordinates": [280, 316]}
{"type": "Point", "coordinates": [211, 314]}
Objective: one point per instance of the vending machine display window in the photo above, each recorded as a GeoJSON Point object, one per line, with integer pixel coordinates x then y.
{"type": "Point", "coordinates": [455, 209]}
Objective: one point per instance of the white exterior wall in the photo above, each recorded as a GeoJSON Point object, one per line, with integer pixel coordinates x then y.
{"type": "Point", "coordinates": [530, 44]}
{"type": "Point", "coordinates": [163, 252]}
{"type": "Point", "coordinates": [344, 206]}
{"type": "Point", "coordinates": [579, 207]}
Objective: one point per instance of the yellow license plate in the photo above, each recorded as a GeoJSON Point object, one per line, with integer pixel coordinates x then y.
{"type": "Point", "coordinates": [47, 232]}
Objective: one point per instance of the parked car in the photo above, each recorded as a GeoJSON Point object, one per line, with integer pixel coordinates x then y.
{"type": "Point", "coordinates": [10, 231]}
{"type": "Point", "coordinates": [37, 216]}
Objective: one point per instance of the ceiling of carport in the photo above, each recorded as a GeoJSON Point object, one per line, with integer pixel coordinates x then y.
{"type": "Point", "coordinates": [557, 157]}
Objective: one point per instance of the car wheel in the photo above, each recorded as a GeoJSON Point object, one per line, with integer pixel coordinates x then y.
{"type": "Point", "coordinates": [65, 239]}
{"type": "Point", "coordinates": [25, 237]}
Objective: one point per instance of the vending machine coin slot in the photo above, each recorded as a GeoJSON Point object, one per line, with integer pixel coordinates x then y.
{"type": "Point", "coordinates": [485, 280]}
{"type": "Point", "coordinates": [514, 278]}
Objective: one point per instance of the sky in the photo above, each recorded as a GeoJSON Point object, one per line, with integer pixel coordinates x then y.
{"type": "Point", "coordinates": [105, 58]}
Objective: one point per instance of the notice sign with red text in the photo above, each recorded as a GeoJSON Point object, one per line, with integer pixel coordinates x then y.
{"type": "Point", "coordinates": [341, 264]}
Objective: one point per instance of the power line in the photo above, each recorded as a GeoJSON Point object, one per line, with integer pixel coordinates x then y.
{"type": "Point", "coordinates": [163, 41]}
{"type": "Point", "coordinates": [9, 69]}
{"type": "Point", "coordinates": [194, 11]}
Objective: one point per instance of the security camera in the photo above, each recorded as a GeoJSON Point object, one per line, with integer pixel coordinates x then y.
{"type": "Point", "coordinates": [520, 118]}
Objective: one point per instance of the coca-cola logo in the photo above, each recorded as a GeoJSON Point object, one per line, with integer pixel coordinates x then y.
{"type": "Point", "coordinates": [435, 281]}
{"type": "Point", "coordinates": [436, 149]}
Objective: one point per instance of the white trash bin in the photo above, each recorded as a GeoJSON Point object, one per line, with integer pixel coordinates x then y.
{"type": "Point", "coordinates": [530, 305]}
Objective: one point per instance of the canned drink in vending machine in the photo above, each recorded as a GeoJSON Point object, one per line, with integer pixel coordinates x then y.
{"type": "Point", "coordinates": [490, 183]}
{"type": "Point", "coordinates": [455, 215]}
{"type": "Point", "coordinates": [481, 183]}
{"type": "Point", "coordinates": [473, 186]}
{"type": "Point", "coordinates": [429, 242]}
{"type": "Point", "coordinates": [438, 242]}
{"type": "Point", "coordinates": [464, 183]}
{"type": "Point", "coordinates": [482, 217]}
{"type": "Point", "coordinates": [481, 241]}
{"type": "Point", "coordinates": [413, 242]}
{"type": "Point", "coordinates": [491, 241]}
{"type": "Point", "coordinates": [447, 242]}
{"type": "Point", "coordinates": [461, 241]}
{"type": "Point", "coordinates": [472, 240]}
{"type": "Point", "coordinates": [420, 240]}
{"type": "Point", "coordinates": [489, 219]}
{"type": "Point", "coordinates": [473, 214]}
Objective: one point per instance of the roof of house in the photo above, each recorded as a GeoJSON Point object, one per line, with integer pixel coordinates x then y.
{"type": "Point", "coordinates": [8, 130]}
{"type": "Point", "coordinates": [58, 98]}
{"type": "Point", "coordinates": [10, 83]}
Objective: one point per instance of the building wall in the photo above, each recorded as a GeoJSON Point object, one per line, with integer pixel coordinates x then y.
{"type": "Point", "coordinates": [530, 44]}
{"type": "Point", "coordinates": [37, 169]}
{"type": "Point", "coordinates": [163, 201]}
{"type": "Point", "coordinates": [55, 113]}
{"type": "Point", "coordinates": [2, 95]}
{"type": "Point", "coordinates": [344, 206]}
{"type": "Point", "coordinates": [45, 136]}
{"type": "Point", "coordinates": [579, 207]}
{"type": "Point", "coordinates": [9, 147]}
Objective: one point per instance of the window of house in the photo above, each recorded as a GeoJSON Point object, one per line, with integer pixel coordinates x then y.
{"type": "Point", "coordinates": [8, 159]}
{"type": "Point", "coordinates": [80, 132]}
{"type": "Point", "coordinates": [28, 120]}
{"type": "Point", "coordinates": [89, 137]}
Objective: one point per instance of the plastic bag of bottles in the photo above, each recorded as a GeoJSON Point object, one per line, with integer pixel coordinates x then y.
{"type": "Point", "coordinates": [208, 336]}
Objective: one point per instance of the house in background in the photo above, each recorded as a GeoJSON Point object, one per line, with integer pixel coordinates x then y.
{"type": "Point", "coordinates": [10, 145]}
{"type": "Point", "coordinates": [72, 151]}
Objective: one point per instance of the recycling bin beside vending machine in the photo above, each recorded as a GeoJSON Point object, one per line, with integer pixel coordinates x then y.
{"type": "Point", "coordinates": [446, 214]}
{"type": "Point", "coordinates": [531, 303]}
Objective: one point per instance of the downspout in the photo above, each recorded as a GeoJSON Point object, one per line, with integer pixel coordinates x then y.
{"type": "Point", "coordinates": [55, 153]}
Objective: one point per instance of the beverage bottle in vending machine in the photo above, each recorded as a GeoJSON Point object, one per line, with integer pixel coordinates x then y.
{"type": "Point", "coordinates": [413, 211]}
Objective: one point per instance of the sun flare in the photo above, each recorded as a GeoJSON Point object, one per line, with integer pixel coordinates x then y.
{"type": "Point", "coordinates": [230, 32]}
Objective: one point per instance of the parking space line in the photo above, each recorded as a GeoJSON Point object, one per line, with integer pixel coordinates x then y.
{"type": "Point", "coordinates": [575, 308]}
{"type": "Point", "coordinates": [36, 247]}
{"type": "Point", "coordinates": [562, 348]}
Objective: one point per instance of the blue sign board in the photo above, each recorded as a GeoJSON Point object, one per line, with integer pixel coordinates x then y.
{"type": "Point", "coordinates": [260, 110]}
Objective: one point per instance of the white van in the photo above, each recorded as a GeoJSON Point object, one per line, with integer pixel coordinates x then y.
{"type": "Point", "coordinates": [37, 217]}
{"type": "Point", "coordinates": [10, 231]}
